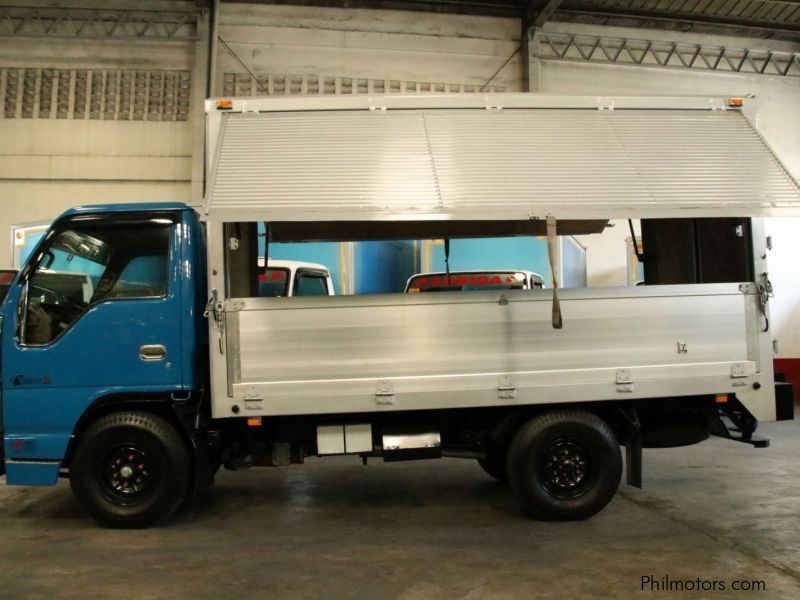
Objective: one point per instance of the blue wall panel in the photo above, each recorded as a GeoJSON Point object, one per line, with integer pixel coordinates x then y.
{"type": "Point", "coordinates": [384, 267]}
{"type": "Point", "coordinates": [525, 253]}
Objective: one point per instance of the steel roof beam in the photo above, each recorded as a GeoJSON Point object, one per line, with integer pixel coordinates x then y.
{"type": "Point", "coordinates": [82, 23]}
{"type": "Point", "coordinates": [671, 55]}
{"type": "Point", "coordinates": [487, 8]}
{"type": "Point", "coordinates": [539, 12]}
{"type": "Point", "coordinates": [691, 19]}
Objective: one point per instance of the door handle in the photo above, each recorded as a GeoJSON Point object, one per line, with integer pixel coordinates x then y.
{"type": "Point", "coordinates": [152, 352]}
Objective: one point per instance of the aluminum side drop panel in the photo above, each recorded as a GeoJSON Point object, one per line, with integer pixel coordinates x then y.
{"type": "Point", "coordinates": [451, 350]}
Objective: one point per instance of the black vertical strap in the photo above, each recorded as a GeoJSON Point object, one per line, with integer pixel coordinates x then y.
{"type": "Point", "coordinates": [447, 259]}
{"type": "Point", "coordinates": [266, 247]}
{"type": "Point", "coordinates": [262, 272]}
{"type": "Point", "coordinates": [552, 254]}
{"type": "Point", "coordinates": [639, 255]}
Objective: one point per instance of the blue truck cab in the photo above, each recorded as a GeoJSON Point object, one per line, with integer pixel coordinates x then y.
{"type": "Point", "coordinates": [122, 326]}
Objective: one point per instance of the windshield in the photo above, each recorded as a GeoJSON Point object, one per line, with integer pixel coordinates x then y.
{"type": "Point", "coordinates": [81, 246]}
{"type": "Point", "coordinates": [465, 282]}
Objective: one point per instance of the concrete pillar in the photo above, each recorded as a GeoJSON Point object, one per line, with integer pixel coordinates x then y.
{"type": "Point", "coordinates": [531, 67]}
{"type": "Point", "coordinates": [200, 83]}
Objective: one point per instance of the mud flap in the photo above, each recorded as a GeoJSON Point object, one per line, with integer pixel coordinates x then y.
{"type": "Point", "coordinates": [633, 459]}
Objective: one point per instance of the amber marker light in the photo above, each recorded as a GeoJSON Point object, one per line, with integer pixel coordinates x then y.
{"type": "Point", "coordinates": [254, 422]}
{"type": "Point", "coordinates": [721, 399]}
{"type": "Point", "coordinates": [224, 104]}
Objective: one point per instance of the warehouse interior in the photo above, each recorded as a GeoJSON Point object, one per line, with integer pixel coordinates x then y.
{"type": "Point", "coordinates": [104, 103]}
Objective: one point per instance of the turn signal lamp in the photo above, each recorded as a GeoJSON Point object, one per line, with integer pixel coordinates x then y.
{"type": "Point", "coordinates": [721, 399]}
{"type": "Point", "coordinates": [224, 104]}
{"type": "Point", "coordinates": [254, 422]}
{"type": "Point", "coordinates": [736, 102]}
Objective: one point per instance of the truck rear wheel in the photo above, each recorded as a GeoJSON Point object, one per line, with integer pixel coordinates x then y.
{"type": "Point", "coordinates": [130, 469]}
{"type": "Point", "coordinates": [564, 465]}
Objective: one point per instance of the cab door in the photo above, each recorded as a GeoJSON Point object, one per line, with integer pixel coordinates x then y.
{"type": "Point", "coordinates": [96, 313]}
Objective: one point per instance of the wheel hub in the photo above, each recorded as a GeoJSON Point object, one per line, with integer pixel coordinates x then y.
{"type": "Point", "coordinates": [126, 471]}
{"type": "Point", "coordinates": [566, 465]}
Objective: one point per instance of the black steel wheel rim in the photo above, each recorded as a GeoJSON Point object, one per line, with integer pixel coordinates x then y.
{"type": "Point", "coordinates": [128, 472]}
{"type": "Point", "coordinates": [565, 468]}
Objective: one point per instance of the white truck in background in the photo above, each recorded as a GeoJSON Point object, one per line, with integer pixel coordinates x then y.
{"type": "Point", "coordinates": [286, 278]}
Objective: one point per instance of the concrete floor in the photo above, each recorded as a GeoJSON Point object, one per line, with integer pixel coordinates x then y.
{"type": "Point", "coordinates": [439, 529]}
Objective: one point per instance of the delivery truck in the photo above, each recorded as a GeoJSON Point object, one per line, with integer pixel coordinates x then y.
{"type": "Point", "coordinates": [168, 364]}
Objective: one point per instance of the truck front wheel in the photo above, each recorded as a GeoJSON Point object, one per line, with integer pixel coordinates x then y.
{"type": "Point", "coordinates": [564, 465]}
{"type": "Point", "coordinates": [130, 469]}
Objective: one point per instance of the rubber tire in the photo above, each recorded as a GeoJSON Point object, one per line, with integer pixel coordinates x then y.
{"type": "Point", "coordinates": [159, 439]}
{"type": "Point", "coordinates": [495, 464]}
{"type": "Point", "coordinates": [533, 438]}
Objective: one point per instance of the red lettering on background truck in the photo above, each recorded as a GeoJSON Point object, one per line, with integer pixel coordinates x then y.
{"type": "Point", "coordinates": [272, 276]}
{"type": "Point", "coordinates": [463, 280]}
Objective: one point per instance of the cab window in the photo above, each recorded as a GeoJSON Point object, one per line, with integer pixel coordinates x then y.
{"type": "Point", "coordinates": [273, 283]}
{"type": "Point", "coordinates": [86, 263]}
{"type": "Point", "coordinates": [310, 283]}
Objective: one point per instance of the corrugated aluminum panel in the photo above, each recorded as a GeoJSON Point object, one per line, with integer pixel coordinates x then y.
{"type": "Point", "coordinates": [322, 162]}
{"type": "Point", "coordinates": [495, 164]}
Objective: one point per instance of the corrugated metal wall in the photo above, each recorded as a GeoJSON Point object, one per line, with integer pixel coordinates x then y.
{"type": "Point", "coordinates": [91, 113]}
{"type": "Point", "coordinates": [314, 50]}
